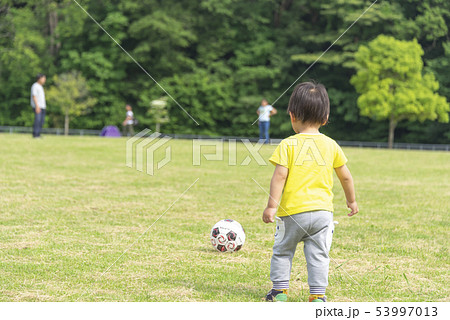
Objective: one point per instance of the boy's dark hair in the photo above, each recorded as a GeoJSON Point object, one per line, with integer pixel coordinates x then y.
{"type": "Point", "coordinates": [309, 103]}
{"type": "Point", "coordinates": [39, 75]}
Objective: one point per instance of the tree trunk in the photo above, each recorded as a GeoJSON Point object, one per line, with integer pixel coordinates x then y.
{"type": "Point", "coordinates": [392, 125]}
{"type": "Point", "coordinates": [52, 24]}
{"type": "Point", "coordinates": [66, 124]}
{"type": "Point", "coordinates": [158, 126]}
{"type": "Point", "coordinates": [284, 5]}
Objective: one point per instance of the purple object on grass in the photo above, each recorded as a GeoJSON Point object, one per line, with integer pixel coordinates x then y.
{"type": "Point", "coordinates": [110, 131]}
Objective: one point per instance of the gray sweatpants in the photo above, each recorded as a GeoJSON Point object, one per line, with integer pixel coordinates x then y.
{"type": "Point", "coordinates": [315, 229]}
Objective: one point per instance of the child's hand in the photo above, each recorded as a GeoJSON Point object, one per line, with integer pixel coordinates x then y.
{"type": "Point", "coordinates": [354, 207]}
{"type": "Point", "coordinates": [269, 214]}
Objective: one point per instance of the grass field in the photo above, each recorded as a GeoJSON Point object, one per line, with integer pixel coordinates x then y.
{"type": "Point", "coordinates": [70, 207]}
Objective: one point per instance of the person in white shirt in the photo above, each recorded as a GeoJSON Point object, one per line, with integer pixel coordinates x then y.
{"type": "Point", "coordinates": [128, 122]}
{"type": "Point", "coordinates": [265, 111]}
{"type": "Point", "coordinates": [37, 101]}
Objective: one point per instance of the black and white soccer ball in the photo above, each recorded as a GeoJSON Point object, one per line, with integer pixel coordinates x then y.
{"type": "Point", "coordinates": [227, 236]}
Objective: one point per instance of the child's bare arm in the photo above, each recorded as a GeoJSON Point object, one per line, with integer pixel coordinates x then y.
{"type": "Point", "coordinates": [276, 189]}
{"type": "Point", "coordinates": [346, 179]}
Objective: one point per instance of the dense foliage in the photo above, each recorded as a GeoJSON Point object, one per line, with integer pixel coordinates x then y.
{"type": "Point", "coordinates": [69, 92]}
{"type": "Point", "coordinates": [392, 84]}
{"type": "Point", "coordinates": [217, 58]}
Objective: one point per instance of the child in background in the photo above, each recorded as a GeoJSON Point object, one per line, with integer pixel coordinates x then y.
{"type": "Point", "coordinates": [128, 123]}
{"type": "Point", "coordinates": [303, 179]}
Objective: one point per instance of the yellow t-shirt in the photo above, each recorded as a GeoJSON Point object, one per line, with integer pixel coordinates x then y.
{"type": "Point", "coordinates": [310, 159]}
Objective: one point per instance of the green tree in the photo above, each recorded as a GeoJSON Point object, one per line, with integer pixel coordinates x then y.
{"type": "Point", "coordinates": [392, 85]}
{"type": "Point", "coordinates": [217, 58]}
{"type": "Point", "coordinates": [22, 49]}
{"type": "Point", "coordinates": [70, 93]}
{"type": "Point", "coordinates": [158, 111]}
